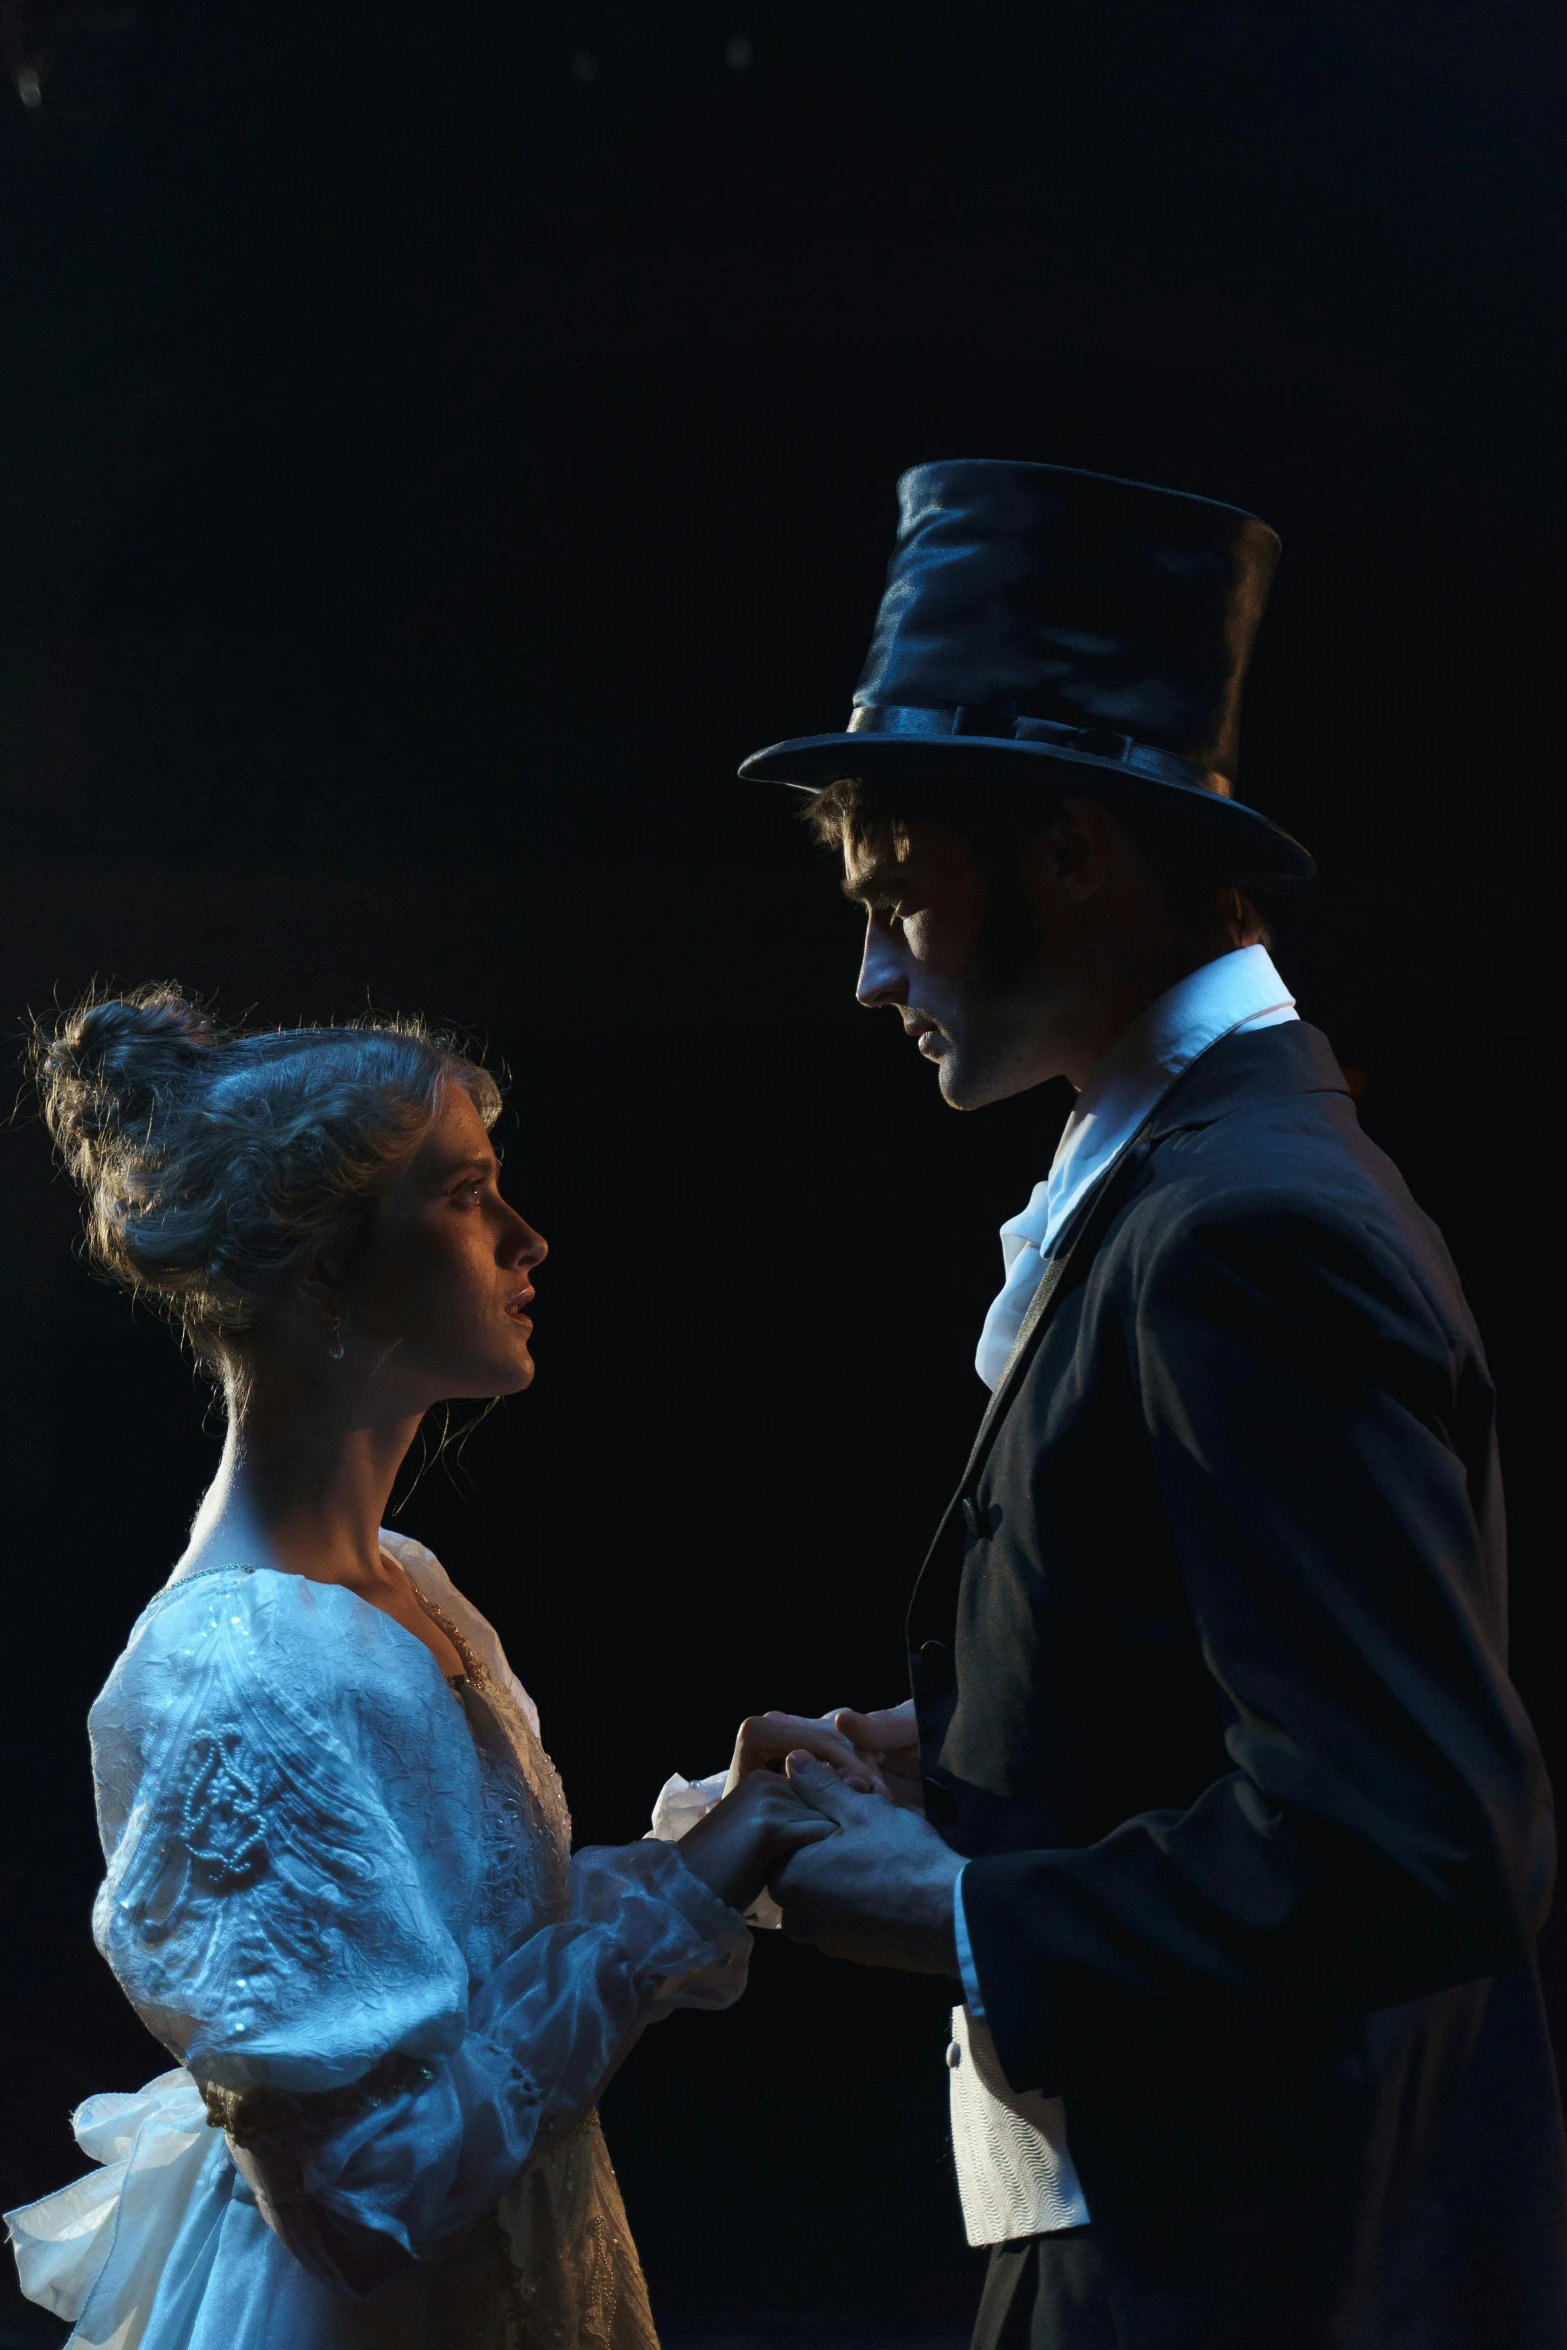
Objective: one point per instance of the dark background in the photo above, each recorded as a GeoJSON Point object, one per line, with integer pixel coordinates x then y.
{"type": "Point", "coordinates": [435, 445]}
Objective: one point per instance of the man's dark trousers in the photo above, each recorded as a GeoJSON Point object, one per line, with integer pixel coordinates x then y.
{"type": "Point", "coordinates": [1046, 2293]}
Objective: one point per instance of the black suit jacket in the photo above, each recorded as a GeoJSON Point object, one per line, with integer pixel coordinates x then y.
{"type": "Point", "coordinates": [1209, 1663]}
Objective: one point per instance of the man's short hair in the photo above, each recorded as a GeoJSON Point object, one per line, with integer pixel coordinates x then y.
{"type": "Point", "coordinates": [1188, 858]}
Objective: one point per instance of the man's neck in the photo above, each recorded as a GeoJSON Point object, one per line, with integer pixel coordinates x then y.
{"type": "Point", "coordinates": [1104, 999]}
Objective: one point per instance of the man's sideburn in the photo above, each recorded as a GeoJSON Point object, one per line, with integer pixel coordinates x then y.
{"type": "Point", "coordinates": [1003, 949]}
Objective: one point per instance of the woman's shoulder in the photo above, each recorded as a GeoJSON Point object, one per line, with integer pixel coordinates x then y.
{"type": "Point", "coordinates": [261, 1634]}
{"type": "Point", "coordinates": [327, 1710]}
{"type": "Point", "coordinates": [327, 1620]}
{"type": "Point", "coordinates": [291, 1811]}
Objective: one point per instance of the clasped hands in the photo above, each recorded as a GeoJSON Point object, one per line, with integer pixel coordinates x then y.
{"type": "Point", "coordinates": [829, 1814]}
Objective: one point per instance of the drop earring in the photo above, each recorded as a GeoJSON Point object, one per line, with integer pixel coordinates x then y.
{"type": "Point", "coordinates": [335, 1349]}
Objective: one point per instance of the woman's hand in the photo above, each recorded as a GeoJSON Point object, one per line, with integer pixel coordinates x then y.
{"type": "Point", "coordinates": [888, 1743]}
{"type": "Point", "coordinates": [745, 1836]}
{"type": "Point", "coordinates": [764, 1740]}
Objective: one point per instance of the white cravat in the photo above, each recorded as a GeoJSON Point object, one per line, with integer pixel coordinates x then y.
{"type": "Point", "coordinates": [1015, 2171]}
{"type": "Point", "coordinates": [1238, 991]}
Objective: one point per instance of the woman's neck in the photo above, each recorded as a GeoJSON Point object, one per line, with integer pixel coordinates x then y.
{"type": "Point", "coordinates": [301, 1486]}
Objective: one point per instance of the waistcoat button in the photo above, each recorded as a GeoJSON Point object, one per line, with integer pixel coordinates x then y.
{"type": "Point", "coordinates": [973, 1524]}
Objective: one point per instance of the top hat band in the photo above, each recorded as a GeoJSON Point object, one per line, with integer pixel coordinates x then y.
{"type": "Point", "coordinates": [1001, 721]}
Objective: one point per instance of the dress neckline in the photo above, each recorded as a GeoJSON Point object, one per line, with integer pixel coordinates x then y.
{"type": "Point", "coordinates": [474, 1675]}
{"type": "Point", "coordinates": [218, 1567]}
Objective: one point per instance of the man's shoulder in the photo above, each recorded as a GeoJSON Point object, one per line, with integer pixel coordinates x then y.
{"type": "Point", "coordinates": [1263, 1129]}
{"type": "Point", "coordinates": [1303, 1156]}
{"type": "Point", "coordinates": [1285, 1199]}
{"type": "Point", "coordinates": [1297, 1165]}
{"type": "Point", "coordinates": [1261, 1135]}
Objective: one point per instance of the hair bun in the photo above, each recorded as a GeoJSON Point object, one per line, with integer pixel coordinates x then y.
{"type": "Point", "coordinates": [219, 1164]}
{"type": "Point", "coordinates": [109, 1064]}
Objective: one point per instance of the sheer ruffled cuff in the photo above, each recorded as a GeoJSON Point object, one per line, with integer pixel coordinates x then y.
{"type": "Point", "coordinates": [682, 1802]}
{"type": "Point", "coordinates": [689, 1949]}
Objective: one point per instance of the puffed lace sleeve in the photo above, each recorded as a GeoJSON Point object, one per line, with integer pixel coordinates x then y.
{"type": "Point", "coordinates": [291, 1806]}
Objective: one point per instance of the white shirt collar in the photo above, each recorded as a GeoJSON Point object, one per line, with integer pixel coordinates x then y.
{"type": "Point", "coordinates": [1240, 990]}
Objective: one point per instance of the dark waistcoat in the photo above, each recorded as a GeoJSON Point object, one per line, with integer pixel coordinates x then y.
{"type": "Point", "coordinates": [1209, 1663]}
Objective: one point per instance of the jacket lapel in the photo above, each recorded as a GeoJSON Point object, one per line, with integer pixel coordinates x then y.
{"type": "Point", "coordinates": [1068, 1264]}
{"type": "Point", "coordinates": [1291, 1058]}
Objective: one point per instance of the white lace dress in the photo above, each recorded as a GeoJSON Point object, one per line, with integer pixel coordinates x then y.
{"type": "Point", "coordinates": [340, 1892]}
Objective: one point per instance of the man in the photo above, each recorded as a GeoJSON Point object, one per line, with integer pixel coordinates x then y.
{"type": "Point", "coordinates": [1218, 1798]}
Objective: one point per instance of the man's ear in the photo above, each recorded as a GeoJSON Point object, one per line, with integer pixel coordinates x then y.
{"type": "Point", "coordinates": [1247, 926]}
{"type": "Point", "coordinates": [1072, 854]}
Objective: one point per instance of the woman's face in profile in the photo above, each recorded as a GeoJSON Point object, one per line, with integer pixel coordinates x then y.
{"type": "Point", "coordinates": [448, 1284]}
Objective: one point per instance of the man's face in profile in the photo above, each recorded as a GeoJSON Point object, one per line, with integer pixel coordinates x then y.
{"type": "Point", "coordinates": [930, 937]}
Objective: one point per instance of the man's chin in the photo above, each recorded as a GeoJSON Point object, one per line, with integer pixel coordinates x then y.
{"type": "Point", "coordinates": [960, 1086]}
{"type": "Point", "coordinates": [967, 1087]}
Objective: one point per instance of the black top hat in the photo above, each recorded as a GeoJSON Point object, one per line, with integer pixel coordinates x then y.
{"type": "Point", "coordinates": [1034, 612]}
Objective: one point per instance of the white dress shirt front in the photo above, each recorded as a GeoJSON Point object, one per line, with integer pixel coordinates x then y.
{"type": "Point", "coordinates": [1015, 2170]}
{"type": "Point", "coordinates": [1238, 991]}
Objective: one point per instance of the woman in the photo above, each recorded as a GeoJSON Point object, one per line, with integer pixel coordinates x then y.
{"type": "Point", "coordinates": [340, 1888]}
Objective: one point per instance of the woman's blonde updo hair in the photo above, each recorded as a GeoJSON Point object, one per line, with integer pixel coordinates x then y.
{"type": "Point", "coordinates": [220, 1164]}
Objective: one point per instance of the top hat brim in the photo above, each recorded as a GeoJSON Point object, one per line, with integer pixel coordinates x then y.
{"type": "Point", "coordinates": [1263, 853]}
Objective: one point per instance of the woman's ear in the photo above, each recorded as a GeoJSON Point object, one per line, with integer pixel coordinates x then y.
{"type": "Point", "coordinates": [322, 1295]}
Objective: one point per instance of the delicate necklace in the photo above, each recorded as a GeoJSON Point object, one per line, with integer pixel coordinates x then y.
{"type": "Point", "coordinates": [537, 1769]}
{"type": "Point", "coordinates": [474, 1667]}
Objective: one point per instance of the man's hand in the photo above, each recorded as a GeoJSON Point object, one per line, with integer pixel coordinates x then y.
{"type": "Point", "coordinates": [880, 1891]}
{"type": "Point", "coordinates": [765, 1739]}
{"type": "Point", "coordinates": [890, 1740]}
